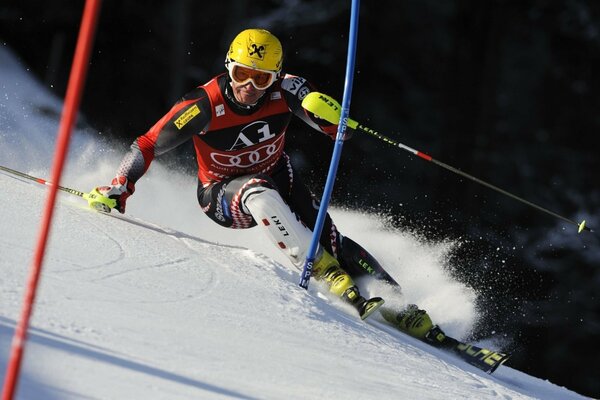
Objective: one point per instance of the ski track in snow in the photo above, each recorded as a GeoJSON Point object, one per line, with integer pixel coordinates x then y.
{"type": "Point", "coordinates": [179, 308]}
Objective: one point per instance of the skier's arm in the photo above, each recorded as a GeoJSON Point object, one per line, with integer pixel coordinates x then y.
{"type": "Point", "coordinates": [187, 117]}
{"type": "Point", "coordinates": [295, 89]}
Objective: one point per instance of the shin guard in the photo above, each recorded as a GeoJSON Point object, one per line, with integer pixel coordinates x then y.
{"type": "Point", "coordinates": [282, 226]}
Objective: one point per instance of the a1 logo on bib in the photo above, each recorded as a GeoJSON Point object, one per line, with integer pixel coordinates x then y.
{"type": "Point", "coordinates": [255, 133]}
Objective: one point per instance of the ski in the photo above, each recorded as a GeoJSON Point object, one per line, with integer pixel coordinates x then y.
{"type": "Point", "coordinates": [485, 359]}
{"type": "Point", "coordinates": [482, 358]}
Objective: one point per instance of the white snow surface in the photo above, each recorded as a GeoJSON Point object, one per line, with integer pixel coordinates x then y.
{"type": "Point", "coordinates": [164, 304]}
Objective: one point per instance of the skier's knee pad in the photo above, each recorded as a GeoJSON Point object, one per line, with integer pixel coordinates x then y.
{"type": "Point", "coordinates": [270, 211]}
{"type": "Point", "coordinates": [255, 184]}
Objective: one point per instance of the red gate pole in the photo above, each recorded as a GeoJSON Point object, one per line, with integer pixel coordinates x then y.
{"type": "Point", "coordinates": [69, 114]}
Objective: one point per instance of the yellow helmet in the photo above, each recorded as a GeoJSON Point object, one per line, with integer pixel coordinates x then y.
{"type": "Point", "coordinates": [258, 49]}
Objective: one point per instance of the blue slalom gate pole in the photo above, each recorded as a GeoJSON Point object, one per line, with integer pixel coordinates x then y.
{"type": "Point", "coordinates": [337, 150]}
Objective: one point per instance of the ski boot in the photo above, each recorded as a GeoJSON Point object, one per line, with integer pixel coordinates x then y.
{"type": "Point", "coordinates": [437, 338]}
{"type": "Point", "coordinates": [367, 307]}
{"type": "Point", "coordinates": [342, 285]}
{"type": "Point", "coordinates": [412, 321]}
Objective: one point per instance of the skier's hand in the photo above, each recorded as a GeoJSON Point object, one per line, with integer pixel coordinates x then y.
{"type": "Point", "coordinates": [348, 133]}
{"type": "Point", "coordinates": [113, 196]}
{"type": "Point", "coordinates": [331, 130]}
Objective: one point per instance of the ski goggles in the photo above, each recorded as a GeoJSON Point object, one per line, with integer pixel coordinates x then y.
{"type": "Point", "coordinates": [260, 79]}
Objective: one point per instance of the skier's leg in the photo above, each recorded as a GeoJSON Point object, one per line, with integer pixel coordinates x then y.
{"type": "Point", "coordinates": [359, 262]}
{"type": "Point", "coordinates": [244, 201]}
{"type": "Point", "coordinates": [249, 200]}
{"type": "Point", "coordinates": [353, 259]}
{"type": "Point", "coordinates": [293, 238]}
{"type": "Point", "coordinates": [410, 319]}
{"type": "Point", "coordinates": [269, 210]}
{"type": "Point", "coordinates": [304, 204]}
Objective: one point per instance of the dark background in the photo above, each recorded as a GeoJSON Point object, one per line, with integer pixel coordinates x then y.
{"type": "Point", "coordinates": [504, 90]}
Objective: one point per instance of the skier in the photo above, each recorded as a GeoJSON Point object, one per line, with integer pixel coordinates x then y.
{"type": "Point", "coordinates": [237, 122]}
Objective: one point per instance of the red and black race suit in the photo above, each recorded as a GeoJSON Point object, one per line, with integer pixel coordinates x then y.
{"type": "Point", "coordinates": [239, 147]}
{"type": "Point", "coordinates": [229, 139]}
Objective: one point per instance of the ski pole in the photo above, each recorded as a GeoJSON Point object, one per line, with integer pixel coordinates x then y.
{"type": "Point", "coordinates": [95, 200]}
{"type": "Point", "coordinates": [43, 182]}
{"type": "Point", "coordinates": [327, 108]}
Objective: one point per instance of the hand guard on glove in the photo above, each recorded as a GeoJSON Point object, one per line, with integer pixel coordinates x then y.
{"type": "Point", "coordinates": [331, 131]}
{"type": "Point", "coordinates": [104, 198]}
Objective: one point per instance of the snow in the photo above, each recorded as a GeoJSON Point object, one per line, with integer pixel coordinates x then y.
{"type": "Point", "coordinates": [164, 304]}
